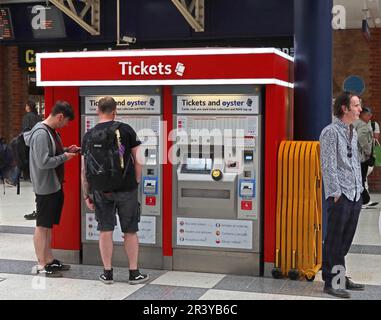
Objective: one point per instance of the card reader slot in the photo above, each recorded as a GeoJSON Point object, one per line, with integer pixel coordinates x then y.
{"type": "Point", "coordinates": [205, 193]}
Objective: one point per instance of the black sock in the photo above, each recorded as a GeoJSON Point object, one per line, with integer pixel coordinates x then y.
{"type": "Point", "coordinates": [134, 273]}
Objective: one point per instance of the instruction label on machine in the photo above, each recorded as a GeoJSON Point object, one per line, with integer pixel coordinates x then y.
{"type": "Point", "coordinates": [216, 233]}
{"type": "Point", "coordinates": [146, 233]}
{"type": "Point", "coordinates": [246, 126]}
{"type": "Point", "coordinates": [221, 104]}
{"type": "Point", "coordinates": [127, 104]}
{"type": "Point", "coordinates": [139, 123]}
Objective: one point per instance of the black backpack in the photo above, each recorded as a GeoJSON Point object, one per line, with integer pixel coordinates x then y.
{"type": "Point", "coordinates": [106, 169]}
{"type": "Point", "coordinates": [20, 152]}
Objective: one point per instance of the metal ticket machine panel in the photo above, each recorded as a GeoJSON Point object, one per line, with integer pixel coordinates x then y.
{"type": "Point", "coordinates": [217, 179]}
{"type": "Point", "coordinates": [141, 109]}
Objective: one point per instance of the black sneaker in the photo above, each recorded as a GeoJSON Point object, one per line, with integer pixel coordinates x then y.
{"type": "Point", "coordinates": [57, 265]}
{"type": "Point", "coordinates": [340, 293]}
{"type": "Point", "coordinates": [47, 271]}
{"type": "Point", "coordinates": [31, 216]}
{"type": "Point", "coordinates": [350, 285]}
{"type": "Point", "coordinates": [107, 276]}
{"type": "Point", "coordinates": [137, 277]}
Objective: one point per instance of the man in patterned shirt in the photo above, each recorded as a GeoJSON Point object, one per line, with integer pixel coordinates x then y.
{"type": "Point", "coordinates": [343, 186]}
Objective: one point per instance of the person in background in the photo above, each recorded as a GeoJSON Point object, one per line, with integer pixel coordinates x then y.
{"type": "Point", "coordinates": [341, 172]}
{"type": "Point", "coordinates": [31, 116]}
{"type": "Point", "coordinates": [374, 126]}
{"type": "Point", "coordinates": [365, 147]}
{"type": "Point", "coordinates": [29, 120]}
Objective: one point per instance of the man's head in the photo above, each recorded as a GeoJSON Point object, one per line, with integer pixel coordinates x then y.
{"type": "Point", "coordinates": [30, 106]}
{"type": "Point", "coordinates": [347, 107]}
{"type": "Point", "coordinates": [366, 114]}
{"type": "Point", "coordinates": [61, 114]}
{"type": "Point", "coordinates": [107, 106]}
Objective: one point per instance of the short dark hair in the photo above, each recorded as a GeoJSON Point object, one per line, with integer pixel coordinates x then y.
{"type": "Point", "coordinates": [344, 99]}
{"type": "Point", "coordinates": [64, 108]}
{"type": "Point", "coordinates": [32, 105]}
{"type": "Point", "coordinates": [366, 110]}
{"type": "Point", "coordinates": [107, 105]}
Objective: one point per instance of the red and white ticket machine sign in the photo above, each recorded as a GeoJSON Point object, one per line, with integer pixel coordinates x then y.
{"type": "Point", "coordinates": [164, 67]}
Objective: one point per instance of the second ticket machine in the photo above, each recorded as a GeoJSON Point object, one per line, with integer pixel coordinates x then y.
{"type": "Point", "coordinates": [217, 179]}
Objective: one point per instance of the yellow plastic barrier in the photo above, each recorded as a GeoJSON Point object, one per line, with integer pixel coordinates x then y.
{"type": "Point", "coordinates": [299, 211]}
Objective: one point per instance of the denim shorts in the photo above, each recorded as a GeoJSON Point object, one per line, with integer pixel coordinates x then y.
{"type": "Point", "coordinates": [125, 203]}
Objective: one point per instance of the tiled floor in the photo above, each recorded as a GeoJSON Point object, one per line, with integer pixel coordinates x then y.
{"type": "Point", "coordinates": [80, 283]}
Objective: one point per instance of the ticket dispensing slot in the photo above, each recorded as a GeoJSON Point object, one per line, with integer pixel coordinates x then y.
{"type": "Point", "coordinates": [204, 184]}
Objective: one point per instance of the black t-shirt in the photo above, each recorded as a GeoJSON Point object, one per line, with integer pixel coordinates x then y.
{"type": "Point", "coordinates": [128, 137]}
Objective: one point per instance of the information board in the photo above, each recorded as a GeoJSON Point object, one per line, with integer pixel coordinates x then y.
{"type": "Point", "coordinates": [6, 30]}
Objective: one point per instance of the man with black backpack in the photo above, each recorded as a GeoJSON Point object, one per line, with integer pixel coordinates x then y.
{"type": "Point", "coordinates": [46, 161]}
{"type": "Point", "coordinates": [111, 172]}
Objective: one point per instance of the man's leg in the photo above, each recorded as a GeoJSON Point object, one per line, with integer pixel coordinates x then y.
{"type": "Point", "coordinates": [333, 242]}
{"type": "Point", "coordinates": [40, 239]}
{"type": "Point", "coordinates": [48, 247]}
{"type": "Point", "coordinates": [131, 246]}
{"type": "Point", "coordinates": [106, 248]}
{"type": "Point", "coordinates": [351, 226]}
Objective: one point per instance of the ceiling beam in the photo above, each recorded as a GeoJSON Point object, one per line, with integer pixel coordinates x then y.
{"type": "Point", "coordinates": [193, 12]}
{"type": "Point", "coordinates": [68, 7]}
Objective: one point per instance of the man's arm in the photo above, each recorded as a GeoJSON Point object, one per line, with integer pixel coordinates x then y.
{"type": "Point", "coordinates": [328, 156]}
{"type": "Point", "coordinates": [85, 186]}
{"type": "Point", "coordinates": [40, 152]}
{"type": "Point", "coordinates": [137, 163]}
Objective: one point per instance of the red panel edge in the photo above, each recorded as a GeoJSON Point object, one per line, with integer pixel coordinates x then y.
{"type": "Point", "coordinates": [67, 235]}
{"type": "Point", "coordinates": [167, 172]}
{"type": "Point", "coordinates": [278, 111]}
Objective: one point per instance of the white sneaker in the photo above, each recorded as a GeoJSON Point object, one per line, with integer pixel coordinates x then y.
{"type": "Point", "coordinates": [369, 205]}
{"type": "Point", "coordinates": [34, 269]}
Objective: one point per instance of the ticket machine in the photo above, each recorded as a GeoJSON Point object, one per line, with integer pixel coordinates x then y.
{"type": "Point", "coordinates": [140, 108]}
{"type": "Point", "coordinates": [217, 179]}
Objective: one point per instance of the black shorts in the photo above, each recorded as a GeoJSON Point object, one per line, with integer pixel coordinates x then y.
{"type": "Point", "coordinates": [49, 209]}
{"type": "Point", "coordinates": [123, 202]}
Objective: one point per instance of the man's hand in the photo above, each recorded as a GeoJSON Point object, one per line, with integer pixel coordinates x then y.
{"type": "Point", "coordinates": [90, 203]}
{"type": "Point", "coordinates": [70, 155]}
{"type": "Point", "coordinates": [73, 149]}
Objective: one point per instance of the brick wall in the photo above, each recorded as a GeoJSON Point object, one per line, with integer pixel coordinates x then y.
{"type": "Point", "coordinates": [353, 55]}
{"type": "Point", "coordinates": [13, 92]}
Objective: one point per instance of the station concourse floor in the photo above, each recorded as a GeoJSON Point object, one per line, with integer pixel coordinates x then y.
{"type": "Point", "coordinates": [81, 282]}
